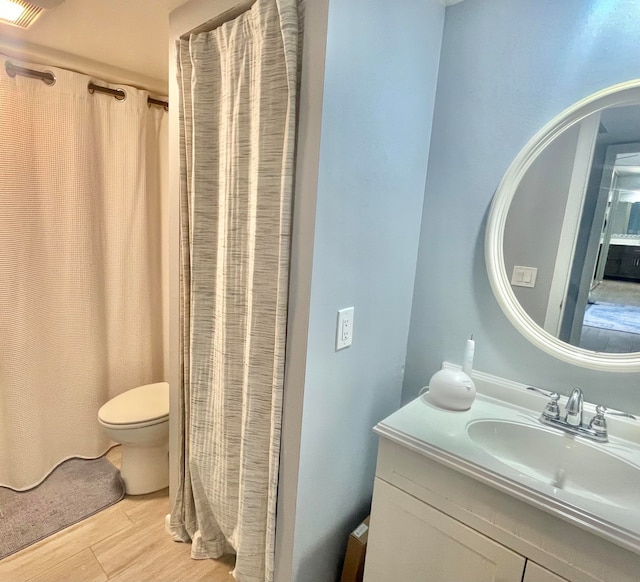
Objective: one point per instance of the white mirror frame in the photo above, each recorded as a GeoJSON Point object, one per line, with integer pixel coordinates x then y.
{"type": "Point", "coordinates": [616, 96]}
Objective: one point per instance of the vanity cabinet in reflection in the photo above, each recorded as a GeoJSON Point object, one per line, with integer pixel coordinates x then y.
{"type": "Point", "coordinates": [623, 262]}
{"type": "Point", "coordinates": [431, 522]}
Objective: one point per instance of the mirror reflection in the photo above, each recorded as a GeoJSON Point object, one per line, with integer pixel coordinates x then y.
{"type": "Point", "coordinates": [572, 235]}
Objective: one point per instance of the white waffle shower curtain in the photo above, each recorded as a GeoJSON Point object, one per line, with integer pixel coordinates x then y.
{"type": "Point", "coordinates": [80, 264]}
{"type": "Point", "coordinates": [238, 85]}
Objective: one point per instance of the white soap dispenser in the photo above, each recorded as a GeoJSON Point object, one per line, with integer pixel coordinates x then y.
{"type": "Point", "coordinates": [454, 389]}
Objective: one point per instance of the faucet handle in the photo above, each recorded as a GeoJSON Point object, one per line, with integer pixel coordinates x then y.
{"type": "Point", "coordinates": [623, 414]}
{"type": "Point", "coordinates": [598, 423]}
{"type": "Point", "coordinates": [552, 410]}
{"type": "Point", "coordinates": [541, 391]}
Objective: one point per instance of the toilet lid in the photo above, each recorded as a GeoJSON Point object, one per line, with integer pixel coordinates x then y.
{"type": "Point", "coordinates": [142, 404]}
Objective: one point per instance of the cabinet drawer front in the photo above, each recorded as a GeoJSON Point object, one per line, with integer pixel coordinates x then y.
{"type": "Point", "coordinates": [410, 540]}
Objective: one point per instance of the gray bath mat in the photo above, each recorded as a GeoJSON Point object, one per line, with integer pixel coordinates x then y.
{"type": "Point", "coordinates": [75, 490]}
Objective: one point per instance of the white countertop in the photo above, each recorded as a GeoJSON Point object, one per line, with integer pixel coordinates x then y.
{"type": "Point", "coordinates": [627, 241]}
{"type": "Point", "coordinates": [442, 435]}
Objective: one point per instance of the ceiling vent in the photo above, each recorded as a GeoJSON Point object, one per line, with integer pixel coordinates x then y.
{"type": "Point", "coordinates": [21, 13]}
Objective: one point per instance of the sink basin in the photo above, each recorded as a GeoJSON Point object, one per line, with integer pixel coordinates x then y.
{"type": "Point", "coordinates": [560, 460]}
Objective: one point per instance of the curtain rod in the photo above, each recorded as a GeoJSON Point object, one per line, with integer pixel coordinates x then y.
{"type": "Point", "coordinates": [49, 78]}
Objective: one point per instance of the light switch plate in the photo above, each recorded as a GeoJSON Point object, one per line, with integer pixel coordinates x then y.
{"type": "Point", "coordinates": [344, 329]}
{"type": "Point", "coordinates": [524, 276]}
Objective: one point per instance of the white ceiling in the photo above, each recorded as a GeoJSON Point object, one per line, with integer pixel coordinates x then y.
{"type": "Point", "coordinates": [128, 34]}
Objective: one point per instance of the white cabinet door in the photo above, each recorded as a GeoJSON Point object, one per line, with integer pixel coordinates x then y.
{"type": "Point", "coordinates": [535, 573]}
{"type": "Point", "coordinates": [411, 541]}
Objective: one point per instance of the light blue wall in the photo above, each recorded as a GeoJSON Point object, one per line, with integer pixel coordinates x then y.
{"type": "Point", "coordinates": [507, 67]}
{"type": "Point", "coordinates": [379, 89]}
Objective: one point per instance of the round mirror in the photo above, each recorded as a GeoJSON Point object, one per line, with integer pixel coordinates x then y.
{"type": "Point", "coordinates": [563, 235]}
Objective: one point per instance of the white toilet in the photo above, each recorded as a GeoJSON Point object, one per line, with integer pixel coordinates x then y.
{"type": "Point", "coordinates": [139, 420]}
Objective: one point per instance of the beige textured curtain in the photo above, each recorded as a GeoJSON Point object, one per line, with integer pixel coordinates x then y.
{"type": "Point", "coordinates": [238, 126]}
{"type": "Point", "coordinates": [80, 265]}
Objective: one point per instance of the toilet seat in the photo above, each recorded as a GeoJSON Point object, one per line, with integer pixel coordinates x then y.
{"type": "Point", "coordinates": [133, 425]}
{"type": "Point", "coordinates": [136, 408]}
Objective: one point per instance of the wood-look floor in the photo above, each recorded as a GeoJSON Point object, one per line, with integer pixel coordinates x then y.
{"type": "Point", "coordinates": [126, 542]}
{"type": "Point", "coordinates": [608, 340]}
{"type": "Point", "coordinates": [612, 291]}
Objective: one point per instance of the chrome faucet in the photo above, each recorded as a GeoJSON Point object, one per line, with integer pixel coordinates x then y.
{"type": "Point", "coordinates": [573, 408]}
{"type": "Point", "coordinates": [572, 421]}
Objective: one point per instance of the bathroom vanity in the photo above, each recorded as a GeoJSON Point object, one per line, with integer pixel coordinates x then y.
{"type": "Point", "coordinates": [491, 494]}
{"type": "Point", "coordinates": [623, 261]}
